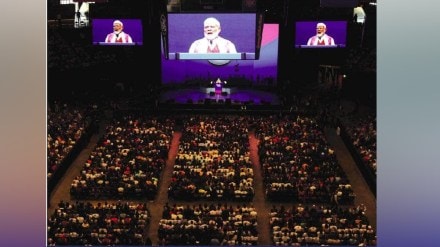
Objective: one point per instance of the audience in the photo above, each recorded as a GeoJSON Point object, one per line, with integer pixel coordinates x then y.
{"type": "Point", "coordinates": [362, 59]}
{"type": "Point", "coordinates": [127, 162]}
{"type": "Point", "coordinates": [213, 164]}
{"type": "Point", "coordinates": [298, 164]}
{"type": "Point", "coordinates": [213, 160]}
{"type": "Point", "coordinates": [362, 132]}
{"type": "Point", "coordinates": [66, 125]}
{"type": "Point", "coordinates": [107, 224]}
{"type": "Point", "coordinates": [303, 225]}
{"type": "Point", "coordinates": [71, 50]}
{"type": "Point", "coordinates": [208, 224]}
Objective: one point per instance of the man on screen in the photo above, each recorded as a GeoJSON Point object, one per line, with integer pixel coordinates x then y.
{"type": "Point", "coordinates": [212, 42]}
{"type": "Point", "coordinates": [321, 38]}
{"type": "Point", "coordinates": [118, 35]}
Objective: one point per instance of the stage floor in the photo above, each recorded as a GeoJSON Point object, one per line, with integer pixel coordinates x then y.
{"type": "Point", "coordinates": [233, 95]}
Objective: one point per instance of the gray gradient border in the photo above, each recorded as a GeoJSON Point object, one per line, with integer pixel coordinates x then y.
{"type": "Point", "coordinates": [408, 122]}
{"type": "Point", "coordinates": [23, 124]}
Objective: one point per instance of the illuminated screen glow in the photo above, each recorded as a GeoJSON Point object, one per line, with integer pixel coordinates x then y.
{"type": "Point", "coordinates": [185, 28]}
{"type": "Point", "coordinates": [306, 29]}
{"type": "Point", "coordinates": [102, 27]}
{"type": "Point", "coordinates": [181, 71]}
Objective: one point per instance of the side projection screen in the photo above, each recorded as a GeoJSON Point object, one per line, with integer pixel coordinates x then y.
{"type": "Point", "coordinates": [117, 32]}
{"type": "Point", "coordinates": [211, 36]}
{"type": "Point", "coordinates": [321, 34]}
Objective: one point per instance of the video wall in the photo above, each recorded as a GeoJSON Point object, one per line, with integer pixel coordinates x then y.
{"type": "Point", "coordinates": [211, 36]}
{"type": "Point", "coordinates": [262, 71]}
{"type": "Point", "coordinates": [320, 34]}
{"type": "Point", "coordinates": [115, 32]}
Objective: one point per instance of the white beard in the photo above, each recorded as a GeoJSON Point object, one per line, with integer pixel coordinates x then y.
{"type": "Point", "coordinates": [211, 36]}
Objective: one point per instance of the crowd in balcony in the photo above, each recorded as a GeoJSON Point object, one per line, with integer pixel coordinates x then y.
{"type": "Point", "coordinates": [298, 164]}
{"type": "Point", "coordinates": [72, 49]}
{"type": "Point", "coordinates": [68, 126]}
{"type": "Point", "coordinates": [362, 132]}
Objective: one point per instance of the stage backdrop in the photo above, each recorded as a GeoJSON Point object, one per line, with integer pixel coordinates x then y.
{"type": "Point", "coordinates": [261, 72]}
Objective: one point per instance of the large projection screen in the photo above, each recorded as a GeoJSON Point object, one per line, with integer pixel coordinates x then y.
{"type": "Point", "coordinates": [259, 71]}
{"type": "Point", "coordinates": [185, 28]}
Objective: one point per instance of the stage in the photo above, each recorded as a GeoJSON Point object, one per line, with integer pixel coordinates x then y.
{"type": "Point", "coordinates": [203, 96]}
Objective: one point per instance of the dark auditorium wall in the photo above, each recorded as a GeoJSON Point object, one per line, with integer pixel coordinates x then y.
{"type": "Point", "coordinates": [141, 66]}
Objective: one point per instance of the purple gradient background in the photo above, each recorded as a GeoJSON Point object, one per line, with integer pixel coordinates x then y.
{"type": "Point", "coordinates": [102, 27]}
{"type": "Point", "coordinates": [183, 29]}
{"type": "Point", "coordinates": [178, 71]}
{"type": "Point", "coordinates": [307, 29]}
